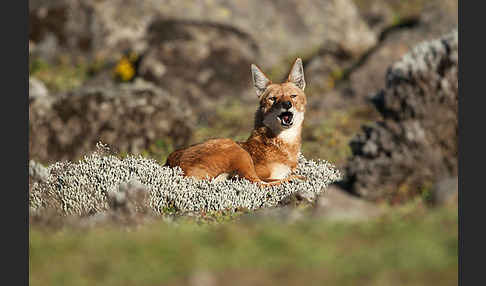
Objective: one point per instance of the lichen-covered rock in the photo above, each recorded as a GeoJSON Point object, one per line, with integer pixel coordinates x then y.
{"type": "Point", "coordinates": [99, 181]}
{"type": "Point", "coordinates": [417, 140]}
{"type": "Point", "coordinates": [130, 117]}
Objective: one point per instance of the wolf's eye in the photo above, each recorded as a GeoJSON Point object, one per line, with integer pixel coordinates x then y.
{"type": "Point", "coordinates": [293, 95]}
{"type": "Point", "coordinates": [273, 98]}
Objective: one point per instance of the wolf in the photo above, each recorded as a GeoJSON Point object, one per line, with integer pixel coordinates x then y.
{"type": "Point", "coordinates": [270, 154]}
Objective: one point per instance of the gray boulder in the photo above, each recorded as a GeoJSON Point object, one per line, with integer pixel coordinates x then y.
{"type": "Point", "coordinates": [416, 142]}
{"type": "Point", "coordinates": [198, 61]}
{"type": "Point", "coordinates": [129, 117]}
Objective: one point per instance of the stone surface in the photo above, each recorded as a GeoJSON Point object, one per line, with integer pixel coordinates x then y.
{"type": "Point", "coordinates": [281, 30]}
{"type": "Point", "coordinates": [445, 191]}
{"type": "Point", "coordinates": [37, 88]}
{"type": "Point", "coordinates": [337, 204]}
{"type": "Point", "coordinates": [37, 172]}
{"type": "Point", "coordinates": [416, 142]}
{"type": "Point", "coordinates": [343, 80]}
{"type": "Point", "coordinates": [199, 62]}
{"type": "Point", "coordinates": [129, 117]}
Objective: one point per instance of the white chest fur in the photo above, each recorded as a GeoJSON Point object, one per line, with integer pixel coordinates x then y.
{"type": "Point", "coordinates": [279, 171]}
{"type": "Point", "coordinates": [291, 134]}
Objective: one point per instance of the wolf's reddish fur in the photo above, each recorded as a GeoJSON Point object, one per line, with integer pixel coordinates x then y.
{"type": "Point", "coordinates": [269, 155]}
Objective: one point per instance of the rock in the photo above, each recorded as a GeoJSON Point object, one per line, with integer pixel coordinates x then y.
{"type": "Point", "coordinates": [130, 198]}
{"type": "Point", "coordinates": [346, 80]}
{"type": "Point", "coordinates": [283, 214]}
{"type": "Point", "coordinates": [128, 117]}
{"type": "Point", "coordinates": [380, 14]}
{"type": "Point", "coordinates": [337, 204]}
{"type": "Point", "coordinates": [199, 62]}
{"type": "Point", "coordinates": [434, 21]}
{"type": "Point", "coordinates": [445, 191]}
{"type": "Point", "coordinates": [88, 26]}
{"type": "Point", "coordinates": [37, 172]}
{"type": "Point", "coordinates": [280, 30]}
{"type": "Point", "coordinates": [416, 142]}
{"type": "Point", "coordinates": [37, 88]}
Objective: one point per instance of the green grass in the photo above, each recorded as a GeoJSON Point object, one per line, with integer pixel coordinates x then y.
{"type": "Point", "coordinates": [65, 73]}
{"type": "Point", "coordinates": [231, 119]}
{"type": "Point", "coordinates": [410, 245]}
{"type": "Point", "coordinates": [329, 137]}
{"type": "Point", "coordinates": [400, 9]}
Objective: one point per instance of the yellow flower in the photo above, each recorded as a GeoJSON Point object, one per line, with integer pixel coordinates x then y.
{"type": "Point", "coordinates": [124, 69]}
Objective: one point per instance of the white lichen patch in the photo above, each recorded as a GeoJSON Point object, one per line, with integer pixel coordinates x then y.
{"type": "Point", "coordinates": [82, 188]}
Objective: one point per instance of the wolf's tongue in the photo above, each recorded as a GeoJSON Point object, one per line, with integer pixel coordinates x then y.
{"type": "Point", "coordinates": [286, 118]}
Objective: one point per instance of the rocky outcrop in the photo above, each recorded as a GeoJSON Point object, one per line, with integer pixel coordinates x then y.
{"type": "Point", "coordinates": [346, 80]}
{"type": "Point", "coordinates": [129, 117]}
{"type": "Point", "coordinates": [435, 20]}
{"type": "Point", "coordinates": [198, 61]}
{"type": "Point", "coordinates": [380, 14]}
{"type": "Point", "coordinates": [96, 28]}
{"type": "Point", "coordinates": [416, 142]}
{"type": "Point", "coordinates": [282, 30]}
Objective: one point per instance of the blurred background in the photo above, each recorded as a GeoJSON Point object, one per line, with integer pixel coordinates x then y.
{"type": "Point", "coordinates": [148, 76]}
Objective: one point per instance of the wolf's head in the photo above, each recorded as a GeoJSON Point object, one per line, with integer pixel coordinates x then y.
{"type": "Point", "coordinates": [282, 105]}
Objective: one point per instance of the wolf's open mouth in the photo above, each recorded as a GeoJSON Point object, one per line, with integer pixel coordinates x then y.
{"type": "Point", "coordinates": [286, 118]}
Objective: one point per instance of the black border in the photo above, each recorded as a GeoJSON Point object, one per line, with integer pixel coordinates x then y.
{"type": "Point", "coordinates": [470, 185]}
{"type": "Point", "coordinates": [15, 115]}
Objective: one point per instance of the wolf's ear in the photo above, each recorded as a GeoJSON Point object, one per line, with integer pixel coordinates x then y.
{"type": "Point", "coordinates": [260, 80]}
{"type": "Point", "coordinates": [296, 74]}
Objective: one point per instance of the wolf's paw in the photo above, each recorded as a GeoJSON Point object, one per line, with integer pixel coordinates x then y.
{"type": "Point", "coordinates": [298, 177]}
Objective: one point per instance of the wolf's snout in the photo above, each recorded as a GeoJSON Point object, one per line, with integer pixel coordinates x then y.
{"type": "Point", "coordinates": [287, 105]}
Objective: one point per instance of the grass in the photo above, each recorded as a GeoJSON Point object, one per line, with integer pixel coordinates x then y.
{"type": "Point", "coordinates": [231, 119]}
{"type": "Point", "coordinates": [328, 137]}
{"type": "Point", "coordinates": [411, 245]}
{"type": "Point", "coordinates": [400, 9]}
{"type": "Point", "coordinates": [65, 73]}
